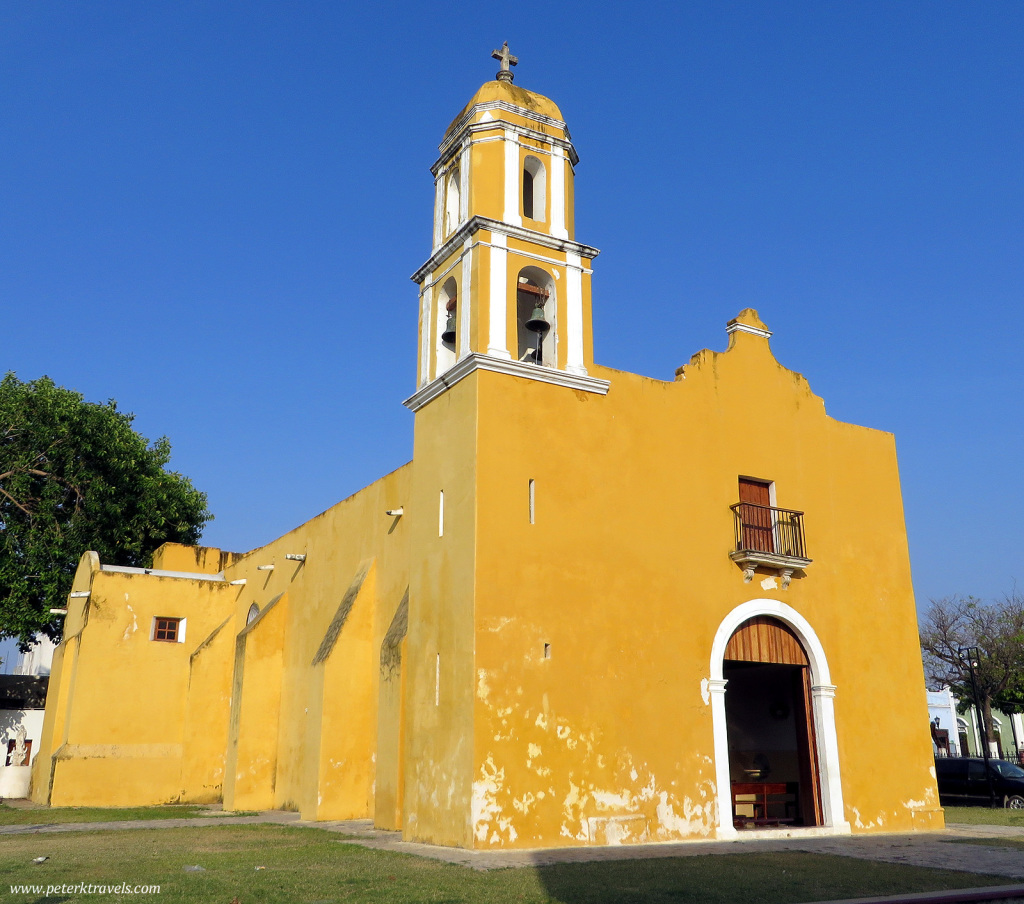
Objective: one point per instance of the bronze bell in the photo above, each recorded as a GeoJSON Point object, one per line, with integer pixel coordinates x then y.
{"type": "Point", "coordinates": [448, 335]}
{"type": "Point", "coordinates": [538, 323]}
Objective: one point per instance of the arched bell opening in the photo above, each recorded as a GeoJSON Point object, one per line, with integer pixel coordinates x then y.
{"type": "Point", "coordinates": [773, 762]}
{"type": "Point", "coordinates": [447, 324]}
{"type": "Point", "coordinates": [535, 317]}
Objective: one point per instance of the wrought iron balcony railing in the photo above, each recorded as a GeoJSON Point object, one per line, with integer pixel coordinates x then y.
{"type": "Point", "coordinates": [768, 536]}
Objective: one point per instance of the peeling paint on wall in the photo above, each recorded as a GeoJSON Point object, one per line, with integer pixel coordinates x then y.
{"type": "Point", "coordinates": [134, 626]}
{"type": "Point", "coordinates": [543, 771]}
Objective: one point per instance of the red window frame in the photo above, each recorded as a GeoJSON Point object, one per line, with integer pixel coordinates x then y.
{"type": "Point", "coordinates": [166, 629]}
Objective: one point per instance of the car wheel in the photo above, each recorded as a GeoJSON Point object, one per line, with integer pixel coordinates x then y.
{"type": "Point", "coordinates": [1014, 802]}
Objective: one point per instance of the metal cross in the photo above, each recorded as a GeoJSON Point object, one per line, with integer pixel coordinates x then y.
{"type": "Point", "coordinates": [507, 60]}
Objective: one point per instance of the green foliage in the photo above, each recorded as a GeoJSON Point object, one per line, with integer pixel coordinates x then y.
{"type": "Point", "coordinates": [75, 476]}
{"type": "Point", "coordinates": [953, 625]}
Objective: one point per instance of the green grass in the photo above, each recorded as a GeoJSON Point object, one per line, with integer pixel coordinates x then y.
{"type": "Point", "coordinates": [999, 841]}
{"type": "Point", "coordinates": [312, 866]}
{"type": "Point", "coordinates": [16, 816]}
{"type": "Point", "coordinates": [983, 816]}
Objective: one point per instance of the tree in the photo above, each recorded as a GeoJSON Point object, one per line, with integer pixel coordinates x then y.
{"type": "Point", "coordinates": [75, 476]}
{"type": "Point", "coordinates": [954, 624]}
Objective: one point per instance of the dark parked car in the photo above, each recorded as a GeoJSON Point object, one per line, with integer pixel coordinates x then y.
{"type": "Point", "coordinates": [962, 782]}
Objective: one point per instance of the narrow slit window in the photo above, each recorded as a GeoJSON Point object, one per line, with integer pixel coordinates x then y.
{"type": "Point", "coordinates": [533, 497]}
{"type": "Point", "coordinates": [547, 651]}
{"type": "Point", "coordinates": [437, 681]}
{"type": "Point", "coordinates": [440, 514]}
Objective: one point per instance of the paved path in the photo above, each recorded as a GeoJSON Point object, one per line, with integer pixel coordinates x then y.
{"type": "Point", "coordinates": [941, 850]}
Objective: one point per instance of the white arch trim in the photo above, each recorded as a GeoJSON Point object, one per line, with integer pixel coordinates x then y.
{"type": "Point", "coordinates": [822, 706]}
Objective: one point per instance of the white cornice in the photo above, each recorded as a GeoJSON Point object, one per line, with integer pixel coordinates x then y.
{"type": "Point", "coordinates": [453, 144]}
{"type": "Point", "coordinates": [160, 573]}
{"type": "Point", "coordinates": [735, 327]}
{"type": "Point", "coordinates": [474, 362]}
{"type": "Point", "coordinates": [509, 108]}
{"type": "Point", "coordinates": [472, 225]}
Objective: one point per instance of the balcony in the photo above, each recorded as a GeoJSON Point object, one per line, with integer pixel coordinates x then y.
{"type": "Point", "coordinates": [768, 537]}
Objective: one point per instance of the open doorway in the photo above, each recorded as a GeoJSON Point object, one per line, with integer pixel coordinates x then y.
{"type": "Point", "coordinates": [773, 762]}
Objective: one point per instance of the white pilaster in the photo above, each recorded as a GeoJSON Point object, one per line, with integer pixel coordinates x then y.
{"type": "Point", "coordinates": [426, 328]}
{"type": "Point", "coordinates": [574, 313]}
{"type": "Point", "coordinates": [464, 183]}
{"type": "Point", "coordinates": [464, 297]}
{"type": "Point", "coordinates": [823, 697]}
{"type": "Point", "coordinates": [558, 199]}
{"type": "Point", "coordinates": [723, 780]}
{"type": "Point", "coordinates": [438, 211]}
{"type": "Point", "coordinates": [497, 345]}
{"type": "Point", "coordinates": [512, 187]}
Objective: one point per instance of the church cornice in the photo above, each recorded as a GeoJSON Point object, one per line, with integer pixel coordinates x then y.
{"type": "Point", "coordinates": [486, 105]}
{"type": "Point", "coordinates": [452, 145]}
{"type": "Point", "coordinates": [475, 224]}
{"type": "Point", "coordinates": [474, 362]}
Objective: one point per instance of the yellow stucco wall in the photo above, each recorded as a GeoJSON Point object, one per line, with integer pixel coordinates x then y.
{"type": "Point", "coordinates": [438, 758]}
{"type": "Point", "coordinates": [207, 713]}
{"type": "Point", "coordinates": [133, 721]}
{"type": "Point", "coordinates": [626, 575]}
{"type": "Point", "coordinates": [117, 724]}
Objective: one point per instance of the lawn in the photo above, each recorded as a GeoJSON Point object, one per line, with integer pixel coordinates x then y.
{"type": "Point", "coordinates": [16, 816]}
{"type": "Point", "coordinates": [272, 864]}
{"type": "Point", "coordinates": [985, 816]}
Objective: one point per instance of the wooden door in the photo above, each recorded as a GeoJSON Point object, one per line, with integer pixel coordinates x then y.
{"type": "Point", "coordinates": [807, 745]}
{"type": "Point", "coordinates": [768, 640]}
{"type": "Point", "coordinates": [756, 514]}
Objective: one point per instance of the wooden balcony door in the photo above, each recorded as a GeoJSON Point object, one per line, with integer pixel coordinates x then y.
{"type": "Point", "coordinates": [756, 514]}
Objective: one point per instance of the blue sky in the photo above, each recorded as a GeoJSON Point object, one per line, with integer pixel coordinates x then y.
{"type": "Point", "coordinates": [210, 212]}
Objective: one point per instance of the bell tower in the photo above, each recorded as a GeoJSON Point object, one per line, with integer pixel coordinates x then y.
{"type": "Point", "coordinates": [507, 286]}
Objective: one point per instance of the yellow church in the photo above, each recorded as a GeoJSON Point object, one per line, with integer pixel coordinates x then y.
{"type": "Point", "coordinates": [594, 608]}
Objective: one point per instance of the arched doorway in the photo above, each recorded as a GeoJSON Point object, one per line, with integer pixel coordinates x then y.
{"type": "Point", "coordinates": [773, 763]}
{"type": "Point", "coordinates": [824, 743]}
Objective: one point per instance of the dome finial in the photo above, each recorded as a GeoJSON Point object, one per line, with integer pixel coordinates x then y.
{"type": "Point", "coordinates": [507, 60]}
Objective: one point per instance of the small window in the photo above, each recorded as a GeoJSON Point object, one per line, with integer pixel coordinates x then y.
{"type": "Point", "coordinates": [254, 612]}
{"type": "Point", "coordinates": [166, 629]}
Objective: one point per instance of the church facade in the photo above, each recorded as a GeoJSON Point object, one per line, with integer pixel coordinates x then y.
{"type": "Point", "coordinates": [594, 608]}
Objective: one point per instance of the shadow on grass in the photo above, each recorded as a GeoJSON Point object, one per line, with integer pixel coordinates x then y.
{"type": "Point", "coordinates": [768, 878]}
